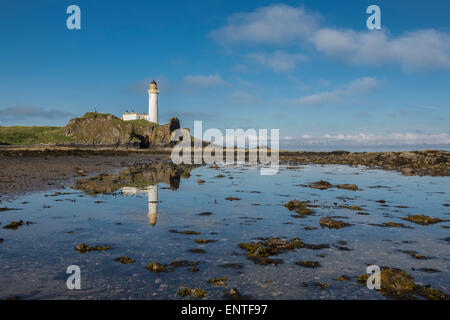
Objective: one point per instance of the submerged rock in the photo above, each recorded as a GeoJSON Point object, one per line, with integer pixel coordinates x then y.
{"type": "Point", "coordinates": [197, 250]}
{"type": "Point", "coordinates": [192, 265]}
{"type": "Point", "coordinates": [422, 219]}
{"type": "Point", "coordinates": [342, 278]}
{"type": "Point", "coordinates": [332, 224]}
{"type": "Point", "coordinates": [85, 248]}
{"type": "Point", "coordinates": [202, 241]}
{"type": "Point", "coordinates": [232, 265]}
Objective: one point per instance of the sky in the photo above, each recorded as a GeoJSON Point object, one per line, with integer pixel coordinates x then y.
{"type": "Point", "coordinates": [311, 69]}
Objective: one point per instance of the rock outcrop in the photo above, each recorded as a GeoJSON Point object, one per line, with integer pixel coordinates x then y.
{"type": "Point", "coordinates": [106, 130]}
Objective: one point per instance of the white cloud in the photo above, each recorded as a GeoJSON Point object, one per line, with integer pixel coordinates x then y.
{"type": "Point", "coordinates": [274, 24]}
{"type": "Point", "coordinates": [212, 80]}
{"type": "Point", "coordinates": [279, 25]}
{"type": "Point", "coordinates": [370, 140]}
{"type": "Point", "coordinates": [355, 87]}
{"type": "Point", "coordinates": [419, 50]}
{"type": "Point", "coordinates": [278, 61]}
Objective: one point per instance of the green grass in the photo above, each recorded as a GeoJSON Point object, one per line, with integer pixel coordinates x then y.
{"type": "Point", "coordinates": [20, 135]}
{"type": "Point", "coordinates": [32, 135]}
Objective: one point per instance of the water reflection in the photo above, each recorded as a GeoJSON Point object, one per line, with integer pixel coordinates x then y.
{"type": "Point", "coordinates": [152, 194]}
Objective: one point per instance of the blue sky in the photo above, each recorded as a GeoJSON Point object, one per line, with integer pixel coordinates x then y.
{"type": "Point", "coordinates": [310, 68]}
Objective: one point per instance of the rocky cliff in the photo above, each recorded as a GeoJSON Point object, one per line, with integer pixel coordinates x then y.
{"type": "Point", "coordinates": [106, 130]}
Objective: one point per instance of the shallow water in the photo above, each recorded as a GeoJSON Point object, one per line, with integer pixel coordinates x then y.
{"type": "Point", "coordinates": [34, 258]}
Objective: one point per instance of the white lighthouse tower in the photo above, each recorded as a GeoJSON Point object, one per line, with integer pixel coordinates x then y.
{"type": "Point", "coordinates": [153, 103]}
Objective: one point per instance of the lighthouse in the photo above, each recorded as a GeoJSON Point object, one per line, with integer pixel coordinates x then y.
{"type": "Point", "coordinates": [153, 102]}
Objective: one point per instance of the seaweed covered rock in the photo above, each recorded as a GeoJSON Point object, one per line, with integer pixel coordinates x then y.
{"type": "Point", "coordinates": [259, 252]}
{"type": "Point", "coordinates": [125, 260]}
{"type": "Point", "coordinates": [156, 267]}
{"type": "Point", "coordinates": [14, 225]}
{"type": "Point", "coordinates": [331, 223]}
{"type": "Point", "coordinates": [86, 248]}
{"type": "Point", "coordinates": [345, 186]}
{"type": "Point", "coordinates": [194, 293]}
{"type": "Point", "coordinates": [422, 219]}
{"type": "Point", "coordinates": [308, 264]}
{"type": "Point", "coordinates": [321, 185]}
{"type": "Point", "coordinates": [298, 206]}
{"type": "Point", "coordinates": [398, 284]}
{"type": "Point", "coordinates": [218, 281]}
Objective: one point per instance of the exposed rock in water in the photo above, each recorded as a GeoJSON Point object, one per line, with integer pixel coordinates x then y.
{"type": "Point", "coordinates": [425, 162]}
{"type": "Point", "coordinates": [85, 248]}
{"type": "Point", "coordinates": [194, 293]}
{"type": "Point", "coordinates": [391, 224]}
{"type": "Point", "coordinates": [332, 224]}
{"type": "Point", "coordinates": [422, 219]}
{"type": "Point", "coordinates": [415, 255]}
{"type": "Point", "coordinates": [260, 252]}
{"type": "Point", "coordinates": [232, 198]}
{"type": "Point", "coordinates": [184, 231]}
{"type": "Point", "coordinates": [298, 206]}
{"type": "Point", "coordinates": [156, 267]}
{"type": "Point", "coordinates": [234, 294]}
{"type": "Point", "coordinates": [138, 175]}
{"type": "Point", "coordinates": [205, 213]}
{"type": "Point", "coordinates": [218, 281]}
{"type": "Point", "coordinates": [321, 185]}
{"type": "Point", "coordinates": [98, 129]}
{"type": "Point", "coordinates": [125, 260]}
{"type": "Point", "coordinates": [14, 225]}
{"type": "Point", "coordinates": [399, 284]}
{"type": "Point", "coordinates": [352, 187]}
{"type": "Point", "coordinates": [308, 264]}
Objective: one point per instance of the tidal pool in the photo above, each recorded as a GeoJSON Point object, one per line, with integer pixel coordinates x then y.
{"type": "Point", "coordinates": [140, 223]}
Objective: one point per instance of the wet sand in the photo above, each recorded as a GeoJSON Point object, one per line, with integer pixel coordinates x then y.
{"type": "Point", "coordinates": [20, 175]}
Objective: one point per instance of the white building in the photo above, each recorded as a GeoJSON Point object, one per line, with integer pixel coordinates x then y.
{"type": "Point", "coordinates": [152, 194]}
{"type": "Point", "coordinates": [152, 115]}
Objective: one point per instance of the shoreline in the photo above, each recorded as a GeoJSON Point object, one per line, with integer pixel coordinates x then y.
{"type": "Point", "coordinates": [26, 170]}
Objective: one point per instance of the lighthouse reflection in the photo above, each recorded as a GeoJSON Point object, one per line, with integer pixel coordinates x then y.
{"type": "Point", "coordinates": [152, 196]}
